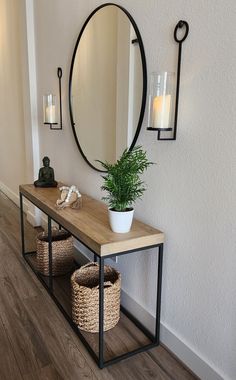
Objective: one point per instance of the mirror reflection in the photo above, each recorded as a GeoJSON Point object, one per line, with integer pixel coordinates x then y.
{"type": "Point", "coordinates": [106, 89]}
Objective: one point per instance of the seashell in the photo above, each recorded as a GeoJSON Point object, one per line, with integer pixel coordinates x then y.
{"type": "Point", "coordinates": [70, 197]}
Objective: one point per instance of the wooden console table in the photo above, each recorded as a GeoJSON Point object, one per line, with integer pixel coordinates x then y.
{"type": "Point", "coordinates": [90, 226]}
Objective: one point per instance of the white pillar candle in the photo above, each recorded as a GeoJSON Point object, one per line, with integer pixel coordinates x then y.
{"type": "Point", "coordinates": [161, 111]}
{"type": "Point", "coordinates": [50, 114]}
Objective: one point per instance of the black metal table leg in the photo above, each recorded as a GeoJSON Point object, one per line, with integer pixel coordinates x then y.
{"type": "Point", "coordinates": [22, 226]}
{"type": "Point", "coordinates": [50, 253]}
{"type": "Point", "coordinates": [101, 312]}
{"type": "Point", "coordinates": [158, 305]}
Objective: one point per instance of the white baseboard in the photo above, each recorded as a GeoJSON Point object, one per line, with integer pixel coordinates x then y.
{"type": "Point", "coordinates": [10, 194]}
{"type": "Point", "coordinates": [32, 213]}
{"type": "Point", "coordinates": [33, 217]}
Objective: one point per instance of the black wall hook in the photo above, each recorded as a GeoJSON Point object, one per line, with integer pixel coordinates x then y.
{"type": "Point", "coordinates": [59, 74]}
{"type": "Point", "coordinates": [181, 24]}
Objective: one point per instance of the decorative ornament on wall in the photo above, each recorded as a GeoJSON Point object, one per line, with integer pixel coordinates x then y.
{"type": "Point", "coordinates": [163, 103]}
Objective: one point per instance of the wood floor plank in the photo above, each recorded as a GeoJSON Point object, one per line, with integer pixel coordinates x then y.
{"type": "Point", "coordinates": [119, 340]}
{"type": "Point", "coordinates": [140, 367]}
{"type": "Point", "coordinates": [8, 365]}
{"type": "Point", "coordinates": [15, 269]}
{"type": "Point", "coordinates": [172, 367]}
{"type": "Point", "coordinates": [46, 373]}
{"type": "Point", "coordinates": [28, 347]}
{"type": "Point", "coordinates": [64, 353]}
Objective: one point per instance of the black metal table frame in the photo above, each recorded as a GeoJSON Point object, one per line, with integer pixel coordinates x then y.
{"type": "Point", "coordinates": [155, 338]}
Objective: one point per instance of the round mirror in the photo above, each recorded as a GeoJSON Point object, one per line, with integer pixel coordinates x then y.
{"type": "Point", "coordinates": [108, 85]}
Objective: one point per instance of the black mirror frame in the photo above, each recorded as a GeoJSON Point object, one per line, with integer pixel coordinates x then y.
{"type": "Point", "coordinates": [144, 65]}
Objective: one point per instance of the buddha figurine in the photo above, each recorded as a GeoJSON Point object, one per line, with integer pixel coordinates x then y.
{"type": "Point", "coordinates": [46, 175]}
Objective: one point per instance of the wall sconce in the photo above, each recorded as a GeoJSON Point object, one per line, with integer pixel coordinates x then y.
{"type": "Point", "coordinates": [162, 115]}
{"type": "Point", "coordinates": [49, 106]}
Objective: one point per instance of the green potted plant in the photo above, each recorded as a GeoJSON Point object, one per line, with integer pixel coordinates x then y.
{"type": "Point", "coordinates": [124, 186]}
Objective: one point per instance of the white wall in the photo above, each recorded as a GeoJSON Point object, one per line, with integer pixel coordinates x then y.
{"type": "Point", "coordinates": [191, 190]}
{"type": "Point", "coordinates": [12, 140]}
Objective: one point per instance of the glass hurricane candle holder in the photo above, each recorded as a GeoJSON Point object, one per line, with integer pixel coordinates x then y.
{"type": "Point", "coordinates": [49, 109]}
{"type": "Point", "coordinates": [161, 99]}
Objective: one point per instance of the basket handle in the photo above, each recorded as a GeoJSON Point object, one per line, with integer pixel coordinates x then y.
{"type": "Point", "coordinates": [53, 229]}
{"type": "Point", "coordinates": [90, 264]}
{"type": "Point", "coordinates": [106, 284]}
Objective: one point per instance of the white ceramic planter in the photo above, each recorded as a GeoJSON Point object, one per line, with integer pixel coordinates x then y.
{"type": "Point", "coordinates": [120, 221]}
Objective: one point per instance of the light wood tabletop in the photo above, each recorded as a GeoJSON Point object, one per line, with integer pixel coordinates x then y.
{"type": "Point", "coordinates": [90, 224]}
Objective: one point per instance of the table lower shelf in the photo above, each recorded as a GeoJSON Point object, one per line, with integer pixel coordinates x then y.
{"type": "Point", "coordinates": [124, 337]}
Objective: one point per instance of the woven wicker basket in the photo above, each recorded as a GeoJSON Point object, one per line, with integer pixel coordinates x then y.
{"type": "Point", "coordinates": [62, 253]}
{"type": "Point", "coordinates": [85, 297]}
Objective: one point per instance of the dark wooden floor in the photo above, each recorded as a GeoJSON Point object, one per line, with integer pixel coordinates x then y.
{"type": "Point", "coordinates": [35, 340]}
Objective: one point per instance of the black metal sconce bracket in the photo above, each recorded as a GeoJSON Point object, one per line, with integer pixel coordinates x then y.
{"type": "Point", "coordinates": [180, 25]}
{"type": "Point", "coordinates": [59, 75]}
